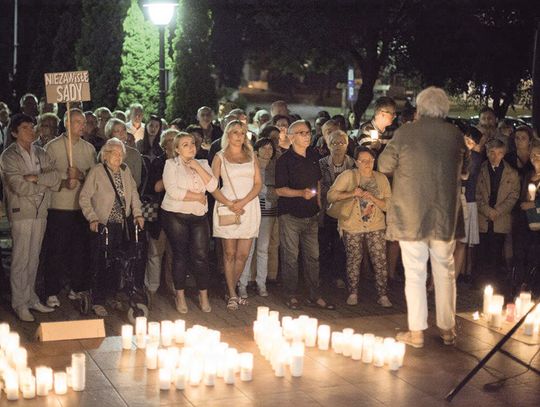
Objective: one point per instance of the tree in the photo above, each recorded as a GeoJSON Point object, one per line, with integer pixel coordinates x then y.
{"type": "Point", "coordinates": [140, 56]}
{"type": "Point", "coordinates": [99, 49]}
{"type": "Point", "coordinates": [69, 31]}
{"type": "Point", "coordinates": [193, 85]}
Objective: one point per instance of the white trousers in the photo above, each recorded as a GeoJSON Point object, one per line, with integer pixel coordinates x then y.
{"type": "Point", "coordinates": [415, 256]}
{"type": "Point", "coordinates": [27, 237]}
{"type": "Point", "coordinates": [156, 249]}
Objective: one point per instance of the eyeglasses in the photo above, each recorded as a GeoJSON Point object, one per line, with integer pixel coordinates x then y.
{"type": "Point", "coordinates": [338, 143]}
{"type": "Point", "coordinates": [302, 133]}
{"type": "Point", "coordinates": [366, 161]}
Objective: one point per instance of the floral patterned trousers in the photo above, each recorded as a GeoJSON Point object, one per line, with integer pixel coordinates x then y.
{"type": "Point", "coordinates": [354, 249]}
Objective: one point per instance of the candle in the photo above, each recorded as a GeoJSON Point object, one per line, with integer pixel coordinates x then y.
{"type": "Point", "coordinates": [179, 330]}
{"type": "Point", "coordinates": [281, 362]}
{"type": "Point", "coordinates": [12, 343]}
{"type": "Point", "coordinates": [4, 331]}
{"type": "Point", "coordinates": [314, 191]}
{"type": "Point", "coordinates": [42, 380]}
{"type": "Point", "coordinates": [373, 134]}
{"type": "Point", "coordinates": [29, 388]}
{"type": "Point", "coordinates": [154, 332]}
{"type": "Point", "coordinates": [19, 358]}
{"type": "Point", "coordinates": [532, 191]}
{"type": "Point", "coordinates": [356, 346]}
{"type": "Point", "coordinates": [140, 332]}
{"type": "Point", "coordinates": [180, 379]}
{"type": "Point", "coordinates": [162, 357]}
{"type": "Point", "coordinates": [323, 337]}
{"type": "Point", "coordinates": [195, 374]}
{"type": "Point", "coordinates": [78, 366]}
{"type": "Point", "coordinates": [231, 359]}
{"type": "Point", "coordinates": [311, 332]}
{"type": "Point", "coordinates": [164, 379]}
{"type": "Point", "coordinates": [525, 301]}
{"type": "Point", "coordinates": [24, 375]}
{"type": "Point", "coordinates": [388, 349]}
{"type": "Point", "coordinates": [246, 367]}
{"type": "Point", "coordinates": [347, 337]}
{"type": "Point", "coordinates": [69, 375]}
{"type": "Point", "coordinates": [167, 331]}
{"type": "Point", "coordinates": [262, 313]}
{"type": "Point", "coordinates": [378, 354]}
{"type": "Point", "coordinates": [273, 316]}
{"type": "Point", "coordinates": [400, 350]}
{"type": "Point", "coordinates": [210, 371]}
{"type": "Point", "coordinates": [495, 316]}
{"type": "Point", "coordinates": [60, 382]}
{"type": "Point", "coordinates": [488, 294]}
{"type": "Point", "coordinates": [151, 356]}
{"type": "Point", "coordinates": [297, 359]}
{"type": "Point", "coordinates": [337, 342]}
{"type": "Point", "coordinates": [367, 348]}
{"type": "Point", "coordinates": [528, 325]}
{"type": "Point", "coordinates": [510, 312]}
{"type": "Point", "coordinates": [476, 316]}
{"type": "Point", "coordinates": [11, 388]}
{"type": "Point", "coordinates": [173, 356]}
{"type": "Point", "coordinates": [394, 358]}
{"type": "Point", "coordinates": [127, 336]}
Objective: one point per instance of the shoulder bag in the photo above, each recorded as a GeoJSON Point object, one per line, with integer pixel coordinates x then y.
{"type": "Point", "coordinates": [342, 210]}
{"type": "Point", "coordinates": [128, 220]}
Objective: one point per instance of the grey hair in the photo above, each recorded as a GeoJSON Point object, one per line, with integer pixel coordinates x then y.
{"type": "Point", "coordinates": [135, 107]}
{"type": "Point", "coordinates": [109, 146]}
{"type": "Point", "coordinates": [297, 123]}
{"type": "Point", "coordinates": [432, 102]}
{"type": "Point", "coordinates": [72, 112]}
{"type": "Point", "coordinates": [338, 134]}
{"type": "Point", "coordinates": [110, 125]}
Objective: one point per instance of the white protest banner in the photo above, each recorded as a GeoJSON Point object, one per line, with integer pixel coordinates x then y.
{"type": "Point", "coordinates": [64, 87]}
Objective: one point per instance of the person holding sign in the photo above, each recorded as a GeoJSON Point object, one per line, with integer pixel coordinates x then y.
{"type": "Point", "coordinates": [27, 175]}
{"type": "Point", "coordinates": [67, 235]}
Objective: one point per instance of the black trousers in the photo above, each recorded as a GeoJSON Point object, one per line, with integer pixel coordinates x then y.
{"type": "Point", "coordinates": [66, 251]}
{"type": "Point", "coordinates": [331, 251]}
{"type": "Point", "coordinates": [189, 237]}
{"type": "Point", "coordinates": [491, 259]}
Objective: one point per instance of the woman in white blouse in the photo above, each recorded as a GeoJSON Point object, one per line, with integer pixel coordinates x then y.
{"type": "Point", "coordinates": [184, 209]}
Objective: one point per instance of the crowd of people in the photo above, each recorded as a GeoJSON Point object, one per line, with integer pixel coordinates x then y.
{"type": "Point", "coordinates": [339, 201]}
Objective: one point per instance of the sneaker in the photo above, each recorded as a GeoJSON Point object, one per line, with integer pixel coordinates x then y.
{"type": "Point", "coordinates": [24, 314]}
{"type": "Point", "coordinates": [411, 338]}
{"type": "Point", "coordinates": [73, 295]}
{"type": "Point", "coordinates": [448, 336]}
{"type": "Point", "coordinates": [262, 291]}
{"type": "Point", "coordinates": [100, 311]}
{"type": "Point", "coordinates": [340, 283]}
{"type": "Point", "coordinates": [39, 307]}
{"type": "Point", "coordinates": [384, 302]}
{"type": "Point", "coordinates": [53, 301]}
{"type": "Point", "coordinates": [352, 300]}
{"type": "Point", "coordinates": [242, 291]}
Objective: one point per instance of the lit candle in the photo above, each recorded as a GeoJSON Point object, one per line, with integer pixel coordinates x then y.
{"type": "Point", "coordinates": [11, 384]}
{"type": "Point", "coordinates": [323, 337]}
{"type": "Point", "coordinates": [526, 302]}
{"type": "Point", "coordinates": [153, 332]}
{"type": "Point", "coordinates": [311, 332]}
{"type": "Point", "coordinates": [528, 325]}
{"type": "Point", "coordinates": [367, 348]}
{"type": "Point", "coordinates": [373, 134]}
{"type": "Point", "coordinates": [262, 313]}
{"type": "Point", "coordinates": [273, 316]}
{"type": "Point", "coordinates": [164, 379]}
{"type": "Point", "coordinates": [4, 331]}
{"type": "Point", "coordinates": [140, 332]}
{"type": "Point", "coordinates": [167, 330]}
{"type": "Point", "coordinates": [69, 375]}
{"type": "Point", "coordinates": [151, 356]}
{"type": "Point", "coordinates": [127, 336]}
{"type": "Point", "coordinates": [488, 294]}
{"type": "Point", "coordinates": [393, 359]}
{"type": "Point", "coordinates": [78, 366]}
{"type": "Point", "coordinates": [195, 374]}
{"type": "Point", "coordinates": [12, 343]}
{"type": "Point", "coordinates": [210, 371]}
{"type": "Point", "coordinates": [388, 349]}
{"type": "Point", "coordinates": [60, 382]}
{"type": "Point", "coordinates": [297, 359]}
{"type": "Point", "coordinates": [19, 358]}
{"type": "Point", "coordinates": [24, 375]}
{"type": "Point", "coordinates": [281, 361]}
{"type": "Point", "coordinates": [246, 366]}
{"type": "Point", "coordinates": [400, 349]}
{"type": "Point", "coordinates": [29, 388]}
{"type": "Point", "coordinates": [495, 316]}
{"type": "Point", "coordinates": [162, 357]}
{"type": "Point", "coordinates": [510, 312]}
{"type": "Point", "coordinates": [337, 342]}
{"type": "Point", "coordinates": [180, 379]}
{"type": "Point", "coordinates": [476, 316]}
{"type": "Point", "coordinates": [347, 337]}
{"type": "Point", "coordinates": [179, 330]}
{"type": "Point", "coordinates": [378, 354]}
{"type": "Point", "coordinates": [532, 191]}
{"type": "Point", "coordinates": [231, 359]}
{"type": "Point", "coordinates": [42, 380]}
{"type": "Point", "coordinates": [356, 346]}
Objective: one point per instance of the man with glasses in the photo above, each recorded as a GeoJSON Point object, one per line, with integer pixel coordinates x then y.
{"type": "Point", "coordinates": [298, 178]}
{"type": "Point", "coordinates": [385, 112]}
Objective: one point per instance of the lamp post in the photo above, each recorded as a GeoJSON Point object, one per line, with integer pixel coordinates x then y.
{"type": "Point", "coordinates": [161, 12]}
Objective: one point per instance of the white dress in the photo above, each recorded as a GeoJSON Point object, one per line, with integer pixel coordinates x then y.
{"type": "Point", "coordinates": [242, 176]}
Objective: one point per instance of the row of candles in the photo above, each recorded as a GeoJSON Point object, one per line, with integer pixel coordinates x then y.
{"type": "Point", "coordinates": [17, 376]}
{"type": "Point", "coordinates": [202, 359]}
{"type": "Point", "coordinates": [283, 343]}
{"type": "Point", "coordinates": [492, 310]}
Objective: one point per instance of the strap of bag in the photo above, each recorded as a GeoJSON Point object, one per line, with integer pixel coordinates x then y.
{"type": "Point", "coordinates": [227, 174]}
{"type": "Point", "coordinates": [122, 205]}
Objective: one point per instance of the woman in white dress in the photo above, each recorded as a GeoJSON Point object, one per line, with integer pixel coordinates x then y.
{"type": "Point", "coordinates": [238, 168]}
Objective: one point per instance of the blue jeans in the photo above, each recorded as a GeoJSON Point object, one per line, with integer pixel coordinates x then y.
{"type": "Point", "coordinates": [295, 233]}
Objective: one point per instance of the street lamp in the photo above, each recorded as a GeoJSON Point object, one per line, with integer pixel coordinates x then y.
{"type": "Point", "coordinates": [161, 13]}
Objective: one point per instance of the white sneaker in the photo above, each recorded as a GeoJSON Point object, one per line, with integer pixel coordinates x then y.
{"type": "Point", "coordinates": [384, 302]}
{"type": "Point", "coordinates": [262, 291]}
{"type": "Point", "coordinates": [24, 314]}
{"type": "Point", "coordinates": [39, 307]}
{"type": "Point", "coordinates": [242, 291]}
{"type": "Point", "coordinates": [53, 301]}
{"type": "Point", "coordinates": [73, 295]}
{"type": "Point", "coordinates": [352, 300]}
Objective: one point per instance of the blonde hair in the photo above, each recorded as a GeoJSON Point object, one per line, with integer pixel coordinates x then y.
{"type": "Point", "coordinates": [180, 135]}
{"type": "Point", "coordinates": [165, 134]}
{"type": "Point", "coordinates": [246, 145]}
{"type": "Point", "coordinates": [338, 134]}
{"type": "Point", "coordinates": [110, 126]}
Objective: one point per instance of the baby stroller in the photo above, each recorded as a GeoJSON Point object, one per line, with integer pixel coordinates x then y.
{"type": "Point", "coordinates": [127, 262]}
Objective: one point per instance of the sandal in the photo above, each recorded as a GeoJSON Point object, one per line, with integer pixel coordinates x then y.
{"type": "Point", "coordinates": [293, 303]}
{"type": "Point", "coordinates": [243, 301]}
{"type": "Point", "coordinates": [232, 303]}
{"type": "Point", "coordinates": [315, 304]}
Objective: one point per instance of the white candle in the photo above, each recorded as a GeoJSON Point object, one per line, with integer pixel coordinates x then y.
{"type": "Point", "coordinates": [179, 330]}
{"type": "Point", "coordinates": [323, 337]}
{"type": "Point", "coordinates": [195, 374]}
{"type": "Point", "coordinates": [231, 360]}
{"type": "Point", "coordinates": [367, 348]}
{"type": "Point", "coordinates": [42, 380]}
{"type": "Point", "coordinates": [140, 332]}
{"type": "Point", "coordinates": [262, 312]}
{"type": "Point", "coordinates": [273, 316]}
{"type": "Point", "coordinates": [164, 379]}
{"type": "Point", "coordinates": [378, 354]}
{"type": "Point", "coordinates": [29, 388]}
{"type": "Point", "coordinates": [24, 375]}
{"type": "Point", "coordinates": [162, 357]}
{"type": "Point", "coordinates": [167, 331]}
{"type": "Point", "coordinates": [127, 336]}
{"type": "Point", "coordinates": [356, 346]}
{"type": "Point", "coordinates": [12, 343]}
{"type": "Point", "coordinates": [173, 356]}
{"type": "Point", "coordinates": [532, 191]}
{"type": "Point", "coordinates": [19, 358]}
{"type": "Point", "coordinates": [11, 386]}
{"type": "Point", "coordinates": [393, 359]}
{"type": "Point", "coordinates": [4, 331]}
{"type": "Point", "coordinates": [388, 349]}
{"type": "Point", "coordinates": [151, 356]}
{"type": "Point", "coordinates": [69, 375]}
{"type": "Point", "coordinates": [528, 325]}
{"type": "Point", "coordinates": [154, 329]}
{"type": "Point", "coordinates": [246, 366]}
{"type": "Point", "coordinates": [311, 332]}
{"type": "Point", "coordinates": [78, 366]}
{"type": "Point", "coordinates": [400, 350]}
{"type": "Point", "coordinates": [525, 301]}
{"type": "Point", "coordinates": [337, 342]}
{"type": "Point", "coordinates": [210, 371]}
{"type": "Point", "coordinates": [286, 323]}
{"type": "Point", "coordinates": [495, 316]}
{"type": "Point", "coordinates": [60, 383]}
{"type": "Point", "coordinates": [297, 359]}
{"type": "Point", "coordinates": [180, 379]}
{"type": "Point", "coordinates": [347, 336]}
{"type": "Point", "coordinates": [488, 294]}
{"type": "Point", "coordinates": [374, 134]}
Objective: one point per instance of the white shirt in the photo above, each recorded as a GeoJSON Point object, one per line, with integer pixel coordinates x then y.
{"type": "Point", "coordinates": [178, 179]}
{"type": "Point", "coordinates": [137, 133]}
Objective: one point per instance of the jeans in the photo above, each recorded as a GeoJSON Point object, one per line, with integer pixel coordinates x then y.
{"type": "Point", "coordinates": [156, 249]}
{"type": "Point", "coordinates": [415, 255]}
{"type": "Point", "coordinates": [298, 233]}
{"type": "Point", "coordinates": [189, 236]}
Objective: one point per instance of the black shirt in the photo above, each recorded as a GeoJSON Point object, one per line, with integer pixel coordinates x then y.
{"type": "Point", "coordinates": [297, 172]}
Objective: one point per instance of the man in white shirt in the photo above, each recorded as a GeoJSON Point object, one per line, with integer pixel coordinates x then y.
{"type": "Point", "coordinates": [135, 125]}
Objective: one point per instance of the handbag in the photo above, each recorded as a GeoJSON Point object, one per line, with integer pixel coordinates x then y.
{"type": "Point", "coordinates": [150, 209]}
{"type": "Point", "coordinates": [343, 209]}
{"type": "Point", "coordinates": [226, 217]}
{"type": "Point", "coordinates": [128, 223]}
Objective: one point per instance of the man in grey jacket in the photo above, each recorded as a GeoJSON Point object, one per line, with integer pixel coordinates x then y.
{"type": "Point", "coordinates": [27, 175]}
{"type": "Point", "coordinates": [425, 158]}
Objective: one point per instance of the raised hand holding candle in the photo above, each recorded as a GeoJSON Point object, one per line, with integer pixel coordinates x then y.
{"type": "Point", "coordinates": [374, 134]}
{"type": "Point", "coordinates": [532, 191]}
